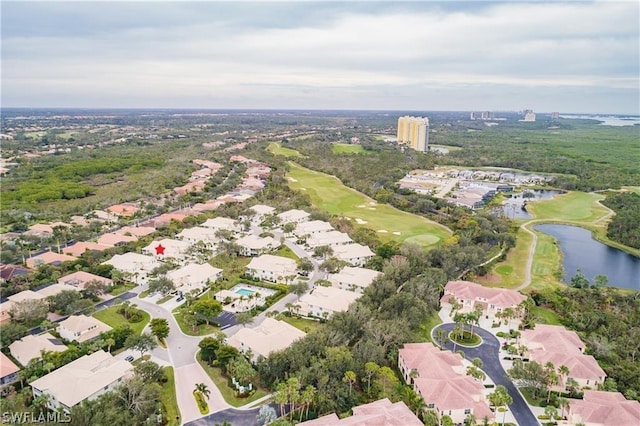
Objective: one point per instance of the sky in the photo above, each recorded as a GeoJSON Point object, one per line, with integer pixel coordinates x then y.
{"type": "Point", "coordinates": [574, 56]}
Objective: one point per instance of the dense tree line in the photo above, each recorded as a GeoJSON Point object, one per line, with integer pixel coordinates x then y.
{"type": "Point", "coordinates": [352, 359]}
{"type": "Point", "coordinates": [625, 225]}
{"type": "Point", "coordinates": [608, 321]}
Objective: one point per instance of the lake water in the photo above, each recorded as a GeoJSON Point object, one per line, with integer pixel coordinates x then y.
{"type": "Point", "coordinates": [608, 120]}
{"type": "Point", "coordinates": [512, 207]}
{"type": "Point", "coordinates": [581, 251]}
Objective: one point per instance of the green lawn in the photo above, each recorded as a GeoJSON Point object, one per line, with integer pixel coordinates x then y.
{"type": "Point", "coordinates": [285, 251]}
{"type": "Point", "coordinates": [424, 335]}
{"type": "Point", "coordinates": [277, 149]}
{"type": "Point", "coordinates": [329, 194]}
{"type": "Point", "coordinates": [545, 316]}
{"type": "Point", "coordinates": [119, 289]}
{"type": "Point", "coordinates": [168, 398]}
{"type": "Point", "coordinates": [578, 207]}
{"type": "Point", "coordinates": [228, 393]}
{"type": "Point", "coordinates": [303, 324]}
{"type": "Point", "coordinates": [201, 330]}
{"type": "Point", "coordinates": [345, 148]}
{"type": "Point", "coordinates": [110, 317]}
{"type": "Point", "coordinates": [164, 299]}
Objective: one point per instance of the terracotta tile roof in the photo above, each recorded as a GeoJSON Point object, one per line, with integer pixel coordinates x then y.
{"type": "Point", "coordinates": [500, 297]}
{"type": "Point", "coordinates": [604, 409]}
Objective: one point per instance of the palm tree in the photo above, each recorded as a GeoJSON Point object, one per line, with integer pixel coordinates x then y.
{"type": "Point", "coordinates": [203, 389]}
{"type": "Point", "coordinates": [564, 372]}
{"type": "Point", "coordinates": [564, 404]}
{"type": "Point", "coordinates": [350, 378]}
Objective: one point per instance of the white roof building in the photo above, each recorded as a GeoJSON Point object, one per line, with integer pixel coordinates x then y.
{"type": "Point", "coordinates": [85, 378]}
{"type": "Point", "coordinates": [323, 302]}
{"type": "Point", "coordinates": [355, 254]}
{"type": "Point", "coordinates": [25, 295]}
{"type": "Point", "coordinates": [270, 336]}
{"type": "Point", "coordinates": [56, 288]}
{"type": "Point", "coordinates": [222, 223]}
{"type": "Point", "coordinates": [167, 248]}
{"type": "Point", "coordinates": [138, 265]}
{"type": "Point", "coordinates": [312, 227]}
{"type": "Point", "coordinates": [199, 233]}
{"type": "Point", "coordinates": [253, 245]}
{"type": "Point", "coordinates": [261, 211]}
{"type": "Point", "coordinates": [194, 276]}
{"type": "Point", "coordinates": [329, 238]}
{"type": "Point", "coordinates": [353, 279]}
{"type": "Point", "coordinates": [81, 328]}
{"type": "Point", "coordinates": [31, 347]}
{"type": "Point", "coordinates": [272, 268]}
{"type": "Point", "coordinates": [294, 216]}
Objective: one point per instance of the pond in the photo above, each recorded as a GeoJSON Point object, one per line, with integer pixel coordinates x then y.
{"type": "Point", "coordinates": [512, 206]}
{"type": "Point", "coordinates": [581, 251]}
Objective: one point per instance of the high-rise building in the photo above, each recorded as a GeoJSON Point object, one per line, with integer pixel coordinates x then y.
{"type": "Point", "coordinates": [414, 132]}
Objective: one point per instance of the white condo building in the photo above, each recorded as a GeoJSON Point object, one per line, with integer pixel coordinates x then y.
{"type": "Point", "coordinates": [414, 132]}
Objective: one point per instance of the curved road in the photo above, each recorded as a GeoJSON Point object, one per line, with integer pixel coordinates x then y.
{"type": "Point", "coordinates": [488, 352]}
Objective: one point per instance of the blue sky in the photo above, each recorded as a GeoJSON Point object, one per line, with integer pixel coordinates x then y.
{"type": "Point", "coordinates": [547, 56]}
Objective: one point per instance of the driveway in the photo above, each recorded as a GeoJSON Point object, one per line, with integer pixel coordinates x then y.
{"type": "Point", "coordinates": [234, 416]}
{"type": "Point", "coordinates": [186, 379]}
{"type": "Point", "coordinates": [488, 352]}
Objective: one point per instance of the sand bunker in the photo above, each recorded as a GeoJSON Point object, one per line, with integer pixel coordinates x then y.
{"type": "Point", "coordinates": [360, 221]}
{"type": "Point", "coordinates": [384, 231]}
{"type": "Point", "coordinates": [290, 179]}
{"type": "Point", "coordinates": [396, 233]}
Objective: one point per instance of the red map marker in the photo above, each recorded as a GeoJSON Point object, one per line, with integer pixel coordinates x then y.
{"type": "Point", "coordinates": [160, 249]}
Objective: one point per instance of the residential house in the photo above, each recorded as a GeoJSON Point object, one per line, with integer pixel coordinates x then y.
{"type": "Point", "coordinates": [473, 296]}
{"type": "Point", "coordinates": [194, 276]}
{"type": "Point", "coordinates": [136, 231]}
{"type": "Point", "coordinates": [272, 268]}
{"type": "Point", "coordinates": [253, 245]}
{"type": "Point", "coordinates": [199, 233]}
{"type": "Point", "coordinates": [49, 258]}
{"type": "Point", "coordinates": [80, 279]}
{"type": "Point", "coordinates": [138, 266]}
{"type": "Point", "coordinates": [123, 210]}
{"type": "Point", "coordinates": [329, 238]}
{"type": "Point", "coordinates": [167, 248]}
{"type": "Point", "coordinates": [268, 337]}
{"type": "Point", "coordinates": [103, 216]}
{"type": "Point", "coordinates": [7, 272]}
{"type": "Point", "coordinates": [323, 302]}
{"type": "Point", "coordinates": [353, 279]}
{"type": "Point", "coordinates": [56, 288]}
{"type": "Point", "coordinates": [8, 371]}
{"type": "Point", "coordinates": [25, 295]}
{"type": "Point", "coordinates": [294, 216]}
{"type": "Point", "coordinates": [44, 230]}
{"type": "Point", "coordinates": [439, 377]}
{"type": "Point", "coordinates": [354, 254]}
{"type": "Point", "coordinates": [113, 239]}
{"type": "Point", "coordinates": [378, 413]}
{"type": "Point", "coordinates": [555, 344]}
{"type": "Point", "coordinates": [312, 227]}
{"type": "Point", "coordinates": [32, 346]}
{"type": "Point", "coordinates": [598, 408]}
{"type": "Point", "coordinates": [164, 220]}
{"type": "Point", "coordinates": [261, 212]}
{"type": "Point", "coordinates": [85, 378]}
{"type": "Point", "coordinates": [222, 223]}
{"type": "Point", "coordinates": [79, 248]}
{"type": "Point", "coordinates": [81, 328]}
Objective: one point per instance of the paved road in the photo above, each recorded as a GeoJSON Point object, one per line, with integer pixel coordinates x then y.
{"type": "Point", "coordinates": [488, 352]}
{"type": "Point", "coordinates": [232, 415]}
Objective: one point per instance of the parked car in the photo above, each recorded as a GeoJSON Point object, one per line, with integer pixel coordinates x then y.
{"type": "Point", "coordinates": [129, 358]}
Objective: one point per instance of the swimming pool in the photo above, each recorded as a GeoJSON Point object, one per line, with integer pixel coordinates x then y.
{"type": "Point", "coordinates": [244, 292]}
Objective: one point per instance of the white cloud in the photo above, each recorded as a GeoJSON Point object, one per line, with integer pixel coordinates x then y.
{"type": "Point", "coordinates": [176, 54]}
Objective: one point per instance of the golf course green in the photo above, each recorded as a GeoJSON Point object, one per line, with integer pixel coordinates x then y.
{"type": "Point", "coordinates": [329, 194]}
